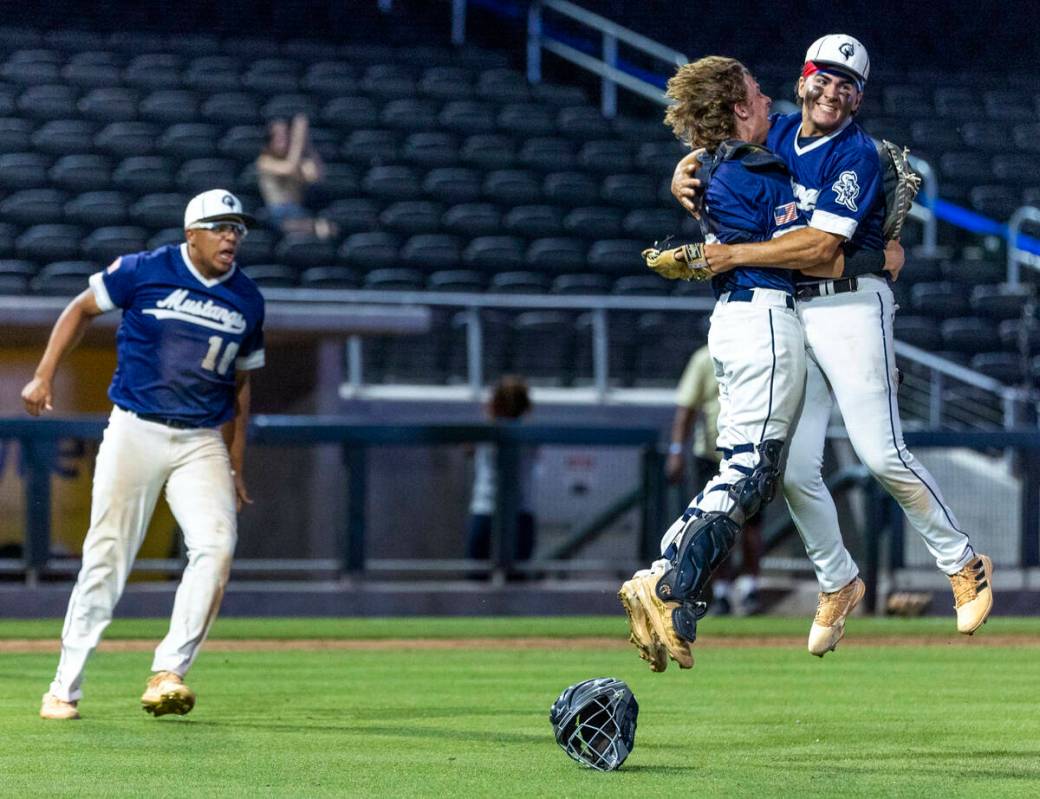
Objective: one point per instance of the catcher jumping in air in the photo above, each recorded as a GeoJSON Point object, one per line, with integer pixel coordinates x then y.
{"type": "Point", "coordinates": [192, 330]}
{"type": "Point", "coordinates": [840, 177]}
{"type": "Point", "coordinates": [755, 340]}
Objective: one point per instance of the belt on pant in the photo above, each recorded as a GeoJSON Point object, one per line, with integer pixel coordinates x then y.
{"type": "Point", "coordinates": [827, 288]}
{"type": "Point", "coordinates": [177, 424]}
{"type": "Point", "coordinates": [748, 295]}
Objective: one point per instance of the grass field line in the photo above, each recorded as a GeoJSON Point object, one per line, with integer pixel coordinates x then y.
{"type": "Point", "coordinates": [37, 646]}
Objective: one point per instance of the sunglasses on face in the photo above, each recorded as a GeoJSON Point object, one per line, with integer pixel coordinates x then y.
{"type": "Point", "coordinates": [223, 228]}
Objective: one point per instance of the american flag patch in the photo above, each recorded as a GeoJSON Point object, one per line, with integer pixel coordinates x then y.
{"type": "Point", "coordinates": [788, 212]}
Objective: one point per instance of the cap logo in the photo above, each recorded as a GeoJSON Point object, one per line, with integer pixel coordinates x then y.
{"type": "Point", "coordinates": [228, 200]}
{"type": "Point", "coordinates": [847, 50]}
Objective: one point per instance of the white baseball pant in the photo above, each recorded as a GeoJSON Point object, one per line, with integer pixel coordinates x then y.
{"type": "Point", "coordinates": [759, 355]}
{"type": "Point", "coordinates": [135, 460]}
{"type": "Point", "coordinates": [850, 353]}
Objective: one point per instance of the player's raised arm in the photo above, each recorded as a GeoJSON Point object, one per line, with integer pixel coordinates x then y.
{"type": "Point", "coordinates": [67, 331]}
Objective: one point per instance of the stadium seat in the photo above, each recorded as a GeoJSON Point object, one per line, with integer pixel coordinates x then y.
{"type": "Point", "coordinates": [15, 276]}
{"type": "Point", "coordinates": [940, 300]}
{"type": "Point", "coordinates": [272, 76]}
{"type": "Point", "coordinates": [81, 172]}
{"type": "Point", "coordinates": [652, 224]}
{"type": "Point", "coordinates": [526, 120]}
{"type": "Point", "coordinates": [169, 235]}
{"type": "Point", "coordinates": [410, 114]}
{"type": "Point", "coordinates": [558, 94]}
{"type": "Point", "coordinates": [352, 216]}
{"type": "Point", "coordinates": [620, 338]}
{"type": "Point", "coordinates": [143, 173]}
{"type": "Point", "coordinates": [629, 191]}
{"type": "Point", "coordinates": [257, 248]}
{"type": "Point", "coordinates": [63, 136]}
{"type": "Point", "coordinates": [409, 217]}
{"type": "Point", "coordinates": [472, 219]}
{"type": "Point", "coordinates": [512, 187]}
{"type": "Point", "coordinates": [594, 222]}
{"type": "Point", "coordinates": [534, 221]}
{"type": "Point", "coordinates": [1027, 137]}
{"type": "Point", "coordinates": [123, 139]}
{"type": "Point", "coordinates": [427, 149]}
{"type": "Point", "coordinates": [212, 74]}
{"type": "Point", "coordinates": [201, 174]}
{"type": "Point", "coordinates": [170, 106]}
{"type": "Point", "coordinates": [964, 168]}
{"type": "Point", "coordinates": [968, 335]}
{"type": "Point", "coordinates": [934, 135]}
{"type": "Point", "coordinates": [47, 243]}
{"type": "Point", "coordinates": [494, 253]}
{"type": "Point", "coordinates": [546, 154]}
{"type": "Point", "coordinates": [106, 244]}
{"type": "Point", "coordinates": [28, 73]}
{"type": "Point", "coordinates": [643, 130]}
{"type": "Point", "coordinates": [15, 134]}
{"type": "Point", "coordinates": [447, 83]}
{"type": "Point", "coordinates": [330, 277]}
{"type": "Point", "coordinates": [617, 256]}
{"type": "Point", "coordinates": [429, 252]}
{"type": "Point", "coordinates": [503, 86]}
{"type": "Point", "coordinates": [453, 184]}
{"type": "Point", "coordinates": [329, 78]}
{"type": "Point", "coordinates": [97, 209]}
{"type": "Point", "coordinates": [241, 142]}
{"type": "Point", "coordinates": [958, 103]}
{"type": "Point", "coordinates": [1017, 335]}
{"type": "Point", "coordinates": [606, 156]}
{"type": "Point", "coordinates": [286, 106]}
{"type": "Point", "coordinates": [8, 234]}
{"type": "Point", "coordinates": [230, 108]}
{"type": "Point", "coordinates": [1006, 106]}
{"type": "Point", "coordinates": [1003, 366]}
{"type": "Point", "coordinates": [571, 188]}
{"type": "Point", "coordinates": [301, 250]}
{"type": "Point", "coordinates": [990, 136]}
{"type": "Point", "coordinates": [556, 255]}
{"type": "Point", "coordinates": [391, 182]}
{"type": "Point", "coordinates": [920, 269]}
{"type": "Point", "coordinates": [388, 86]}
{"type": "Point", "coordinates": [393, 280]}
{"type": "Point", "coordinates": [974, 272]}
{"type": "Point", "coordinates": [1017, 168]}
{"type": "Point", "coordinates": [307, 49]}
{"type": "Point", "coordinates": [583, 123]}
{"type": "Point", "coordinates": [582, 283]}
{"type": "Point", "coordinates": [1000, 302]}
{"type": "Point", "coordinates": [190, 140]}
{"type": "Point", "coordinates": [489, 151]}
{"type": "Point", "coordinates": [370, 251]}
{"type": "Point", "coordinates": [34, 206]}
{"type": "Point", "coordinates": [370, 147]}
{"type": "Point", "coordinates": [456, 280]}
{"type": "Point", "coordinates": [274, 276]}
{"type": "Point", "coordinates": [465, 117]}
{"type": "Point", "coordinates": [542, 346]}
{"type": "Point", "coordinates": [912, 102]}
{"type": "Point", "coordinates": [918, 331]}
{"type": "Point", "coordinates": [641, 286]}
{"type": "Point", "coordinates": [659, 157]}
{"type": "Point", "coordinates": [339, 180]}
{"type": "Point", "coordinates": [94, 57]}
{"type": "Point", "coordinates": [154, 71]}
{"type": "Point", "coordinates": [518, 283]}
{"type": "Point", "coordinates": [109, 104]}
{"type": "Point", "coordinates": [50, 101]}
{"type": "Point", "coordinates": [63, 278]}
{"type": "Point", "coordinates": [997, 202]}
{"type": "Point", "coordinates": [23, 171]}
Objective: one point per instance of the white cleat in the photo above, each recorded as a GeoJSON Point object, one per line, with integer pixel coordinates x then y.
{"type": "Point", "coordinates": [829, 625]}
{"type": "Point", "coordinates": [54, 708]}
{"type": "Point", "coordinates": [973, 594]}
{"type": "Point", "coordinates": [167, 693]}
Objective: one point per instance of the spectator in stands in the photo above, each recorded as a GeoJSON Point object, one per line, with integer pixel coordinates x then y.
{"type": "Point", "coordinates": [509, 401]}
{"type": "Point", "coordinates": [697, 409]}
{"type": "Point", "coordinates": [287, 165]}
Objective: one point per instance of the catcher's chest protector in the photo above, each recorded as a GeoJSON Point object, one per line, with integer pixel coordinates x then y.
{"type": "Point", "coordinates": [753, 156]}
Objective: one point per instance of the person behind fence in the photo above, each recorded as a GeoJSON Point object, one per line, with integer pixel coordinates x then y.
{"type": "Point", "coordinates": [510, 400]}
{"type": "Point", "coordinates": [286, 167]}
{"type": "Point", "coordinates": [697, 411]}
{"type": "Point", "coordinates": [190, 334]}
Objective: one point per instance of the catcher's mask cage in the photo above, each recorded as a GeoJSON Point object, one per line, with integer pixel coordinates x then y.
{"type": "Point", "coordinates": [595, 722]}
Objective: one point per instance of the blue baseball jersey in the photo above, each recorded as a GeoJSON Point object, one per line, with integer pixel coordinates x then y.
{"type": "Point", "coordinates": [743, 205]}
{"type": "Point", "coordinates": [837, 179]}
{"type": "Point", "coordinates": [182, 337]}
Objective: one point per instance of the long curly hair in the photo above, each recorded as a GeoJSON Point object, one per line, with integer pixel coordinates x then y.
{"type": "Point", "coordinates": [703, 95]}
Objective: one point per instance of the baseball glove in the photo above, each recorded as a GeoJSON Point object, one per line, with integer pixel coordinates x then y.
{"type": "Point", "coordinates": [901, 186]}
{"type": "Point", "coordinates": [679, 263]}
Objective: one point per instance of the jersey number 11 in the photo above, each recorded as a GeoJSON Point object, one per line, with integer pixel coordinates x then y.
{"type": "Point", "coordinates": [210, 361]}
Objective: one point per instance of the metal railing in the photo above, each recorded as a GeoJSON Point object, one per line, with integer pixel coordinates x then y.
{"type": "Point", "coordinates": [1015, 254]}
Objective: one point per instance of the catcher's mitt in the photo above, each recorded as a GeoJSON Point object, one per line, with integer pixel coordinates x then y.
{"type": "Point", "coordinates": [679, 263]}
{"type": "Point", "coordinates": [901, 186]}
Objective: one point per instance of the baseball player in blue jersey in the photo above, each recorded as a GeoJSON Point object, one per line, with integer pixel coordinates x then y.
{"type": "Point", "coordinates": [837, 180]}
{"type": "Point", "coordinates": [755, 340]}
{"type": "Point", "coordinates": [192, 329]}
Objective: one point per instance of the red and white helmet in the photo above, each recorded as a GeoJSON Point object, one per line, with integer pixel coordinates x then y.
{"type": "Point", "coordinates": [841, 52]}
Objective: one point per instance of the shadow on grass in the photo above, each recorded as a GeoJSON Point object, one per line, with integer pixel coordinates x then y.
{"type": "Point", "coordinates": [403, 731]}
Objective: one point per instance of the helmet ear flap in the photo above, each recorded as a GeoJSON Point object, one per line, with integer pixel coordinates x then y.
{"type": "Point", "coordinates": [595, 722]}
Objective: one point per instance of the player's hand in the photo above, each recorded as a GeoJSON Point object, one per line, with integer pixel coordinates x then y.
{"type": "Point", "coordinates": [241, 492]}
{"type": "Point", "coordinates": [673, 468]}
{"type": "Point", "coordinates": [895, 257]}
{"type": "Point", "coordinates": [685, 186]}
{"type": "Point", "coordinates": [37, 396]}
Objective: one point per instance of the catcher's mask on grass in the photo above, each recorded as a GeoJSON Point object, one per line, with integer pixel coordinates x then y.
{"type": "Point", "coordinates": [595, 722]}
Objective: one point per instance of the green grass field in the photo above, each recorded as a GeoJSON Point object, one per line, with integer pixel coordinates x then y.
{"type": "Point", "coordinates": [900, 719]}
